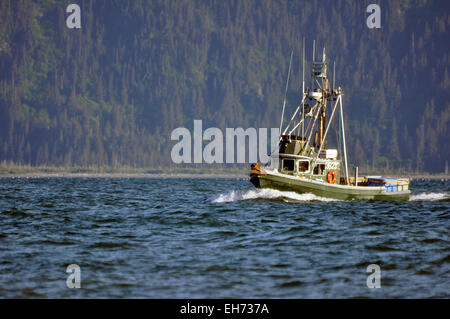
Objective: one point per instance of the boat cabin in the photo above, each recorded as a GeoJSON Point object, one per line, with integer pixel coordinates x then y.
{"type": "Point", "coordinates": [298, 159]}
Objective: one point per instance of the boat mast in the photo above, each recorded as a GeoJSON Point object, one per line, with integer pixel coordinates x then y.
{"type": "Point", "coordinates": [324, 99]}
{"type": "Point", "coordinates": [326, 132]}
{"type": "Point", "coordinates": [314, 106]}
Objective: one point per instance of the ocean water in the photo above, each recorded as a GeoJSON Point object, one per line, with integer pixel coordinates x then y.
{"type": "Point", "coordinates": [217, 238]}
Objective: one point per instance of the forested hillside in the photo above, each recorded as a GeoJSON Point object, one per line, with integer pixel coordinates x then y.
{"type": "Point", "coordinates": [110, 93]}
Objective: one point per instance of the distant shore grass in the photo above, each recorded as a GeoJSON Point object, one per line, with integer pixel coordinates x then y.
{"type": "Point", "coordinates": [14, 170]}
{"type": "Point", "coordinates": [8, 169]}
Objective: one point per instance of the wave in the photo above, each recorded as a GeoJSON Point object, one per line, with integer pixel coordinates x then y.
{"type": "Point", "coordinates": [267, 194]}
{"type": "Point", "coordinates": [421, 197]}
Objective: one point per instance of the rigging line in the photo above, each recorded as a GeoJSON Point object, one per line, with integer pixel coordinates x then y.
{"type": "Point", "coordinates": [312, 63]}
{"type": "Point", "coordinates": [312, 126]}
{"type": "Point", "coordinates": [303, 89]}
{"type": "Point", "coordinates": [293, 116]}
{"type": "Point", "coordinates": [285, 91]}
{"type": "Point", "coordinates": [308, 128]}
{"type": "Point", "coordinates": [297, 125]}
{"type": "Point", "coordinates": [318, 84]}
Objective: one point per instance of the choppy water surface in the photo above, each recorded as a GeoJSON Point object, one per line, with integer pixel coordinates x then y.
{"type": "Point", "coordinates": [217, 238]}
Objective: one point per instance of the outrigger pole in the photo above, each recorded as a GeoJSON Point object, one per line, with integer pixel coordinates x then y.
{"type": "Point", "coordinates": [343, 140]}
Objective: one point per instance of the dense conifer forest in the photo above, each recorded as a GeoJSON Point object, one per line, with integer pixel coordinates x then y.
{"type": "Point", "coordinates": [109, 94]}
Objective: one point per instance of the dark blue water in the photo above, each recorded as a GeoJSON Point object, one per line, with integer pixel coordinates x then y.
{"type": "Point", "coordinates": [217, 238]}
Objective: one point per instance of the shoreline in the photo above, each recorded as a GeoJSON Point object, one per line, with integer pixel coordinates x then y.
{"type": "Point", "coordinates": [182, 175]}
{"type": "Point", "coordinates": [120, 175]}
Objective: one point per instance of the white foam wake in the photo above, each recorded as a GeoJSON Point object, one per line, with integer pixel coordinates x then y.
{"type": "Point", "coordinates": [428, 197]}
{"type": "Point", "coordinates": [267, 193]}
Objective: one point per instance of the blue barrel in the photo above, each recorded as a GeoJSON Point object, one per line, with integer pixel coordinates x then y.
{"type": "Point", "coordinates": [389, 183]}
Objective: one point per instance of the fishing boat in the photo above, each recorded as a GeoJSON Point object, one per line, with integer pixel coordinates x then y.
{"type": "Point", "coordinates": [304, 162]}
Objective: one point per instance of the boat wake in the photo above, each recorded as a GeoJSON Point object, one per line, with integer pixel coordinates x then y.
{"type": "Point", "coordinates": [424, 197]}
{"type": "Point", "coordinates": [268, 194]}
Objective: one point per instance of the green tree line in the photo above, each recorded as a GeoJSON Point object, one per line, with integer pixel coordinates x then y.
{"type": "Point", "coordinates": [110, 93]}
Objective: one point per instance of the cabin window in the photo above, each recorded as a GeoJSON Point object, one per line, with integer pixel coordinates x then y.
{"type": "Point", "coordinates": [303, 166]}
{"type": "Point", "coordinates": [319, 169]}
{"type": "Point", "coordinates": [288, 165]}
